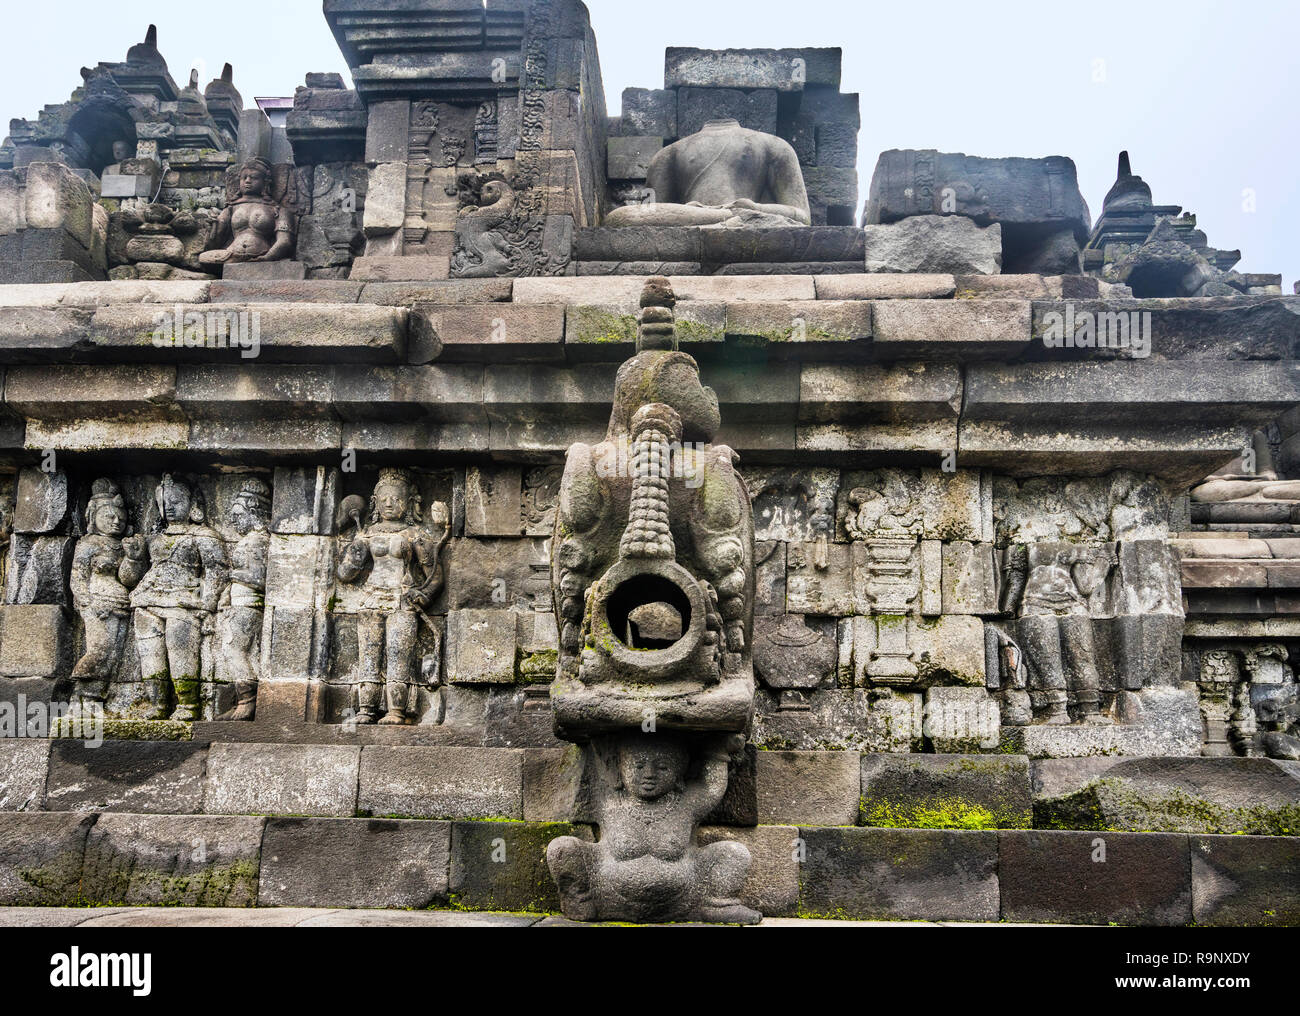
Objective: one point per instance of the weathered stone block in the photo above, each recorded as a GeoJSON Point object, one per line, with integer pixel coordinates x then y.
{"type": "Point", "coordinates": [885, 287]}
{"type": "Point", "coordinates": [482, 646]}
{"type": "Point", "coordinates": [502, 865]}
{"type": "Point", "coordinates": [41, 858]}
{"type": "Point", "coordinates": [962, 720]}
{"type": "Point", "coordinates": [168, 860]}
{"type": "Point", "coordinates": [429, 782]}
{"type": "Point", "coordinates": [900, 875]}
{"type": "Point", "coordinates": [772, 887]}
{"type": "Point", "coordinates": [492, 332]}
{"type": "Point", "coordinates": [969, 579]}
{"type": "Point", "coordinates": [133, 776]}
{"type": "Point", "coordinates": [651, 112]}
{"type": "Point", "coordinates": [34, 639]}
{"type": "Point", "coordinates": [946, 791]}
{"type": "Point", "coordinates": [1095, 878]}
{"type": "Point", "coordinates": [1192, 795]}
{"type": "Point", "coordinates": [1245, 880]}
{"type": "Point", "coordinates": [354, 863]}
{"type": "Point", "coordinates": [386, 199]}
{"type": "Point", "coordinates": [753, 109]}
{"type": "Point", "coordinates": [934, 243]}
{"type": "Point", "coordinates": [552, 783]}
{"type": "Point", "coordinates": [808, 787]}
{"type": "Point", "coordinates": [979, 329]}
{"type": "Point", "coordinates": [629, 158]}
{"type": "Point", "coordinates": [787, 70]}
{"type": "Point", "coordinates": [24, 765]}
{"type": "Point", "coordinates": [282, 779]}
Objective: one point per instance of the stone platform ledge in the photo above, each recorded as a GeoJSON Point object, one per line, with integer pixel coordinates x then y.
{"type": "Point", "coordinates": [324, 917]}
{"type": "Point", "coordinates": [771, 790]}
{"type": "Point", "coordinates": [84, 859]}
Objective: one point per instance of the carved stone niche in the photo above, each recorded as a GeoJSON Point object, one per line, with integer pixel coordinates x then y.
{"type": "Point", "coordinates": [653, 578]}
{"type": "Point", "coordinates": [1249, 698]}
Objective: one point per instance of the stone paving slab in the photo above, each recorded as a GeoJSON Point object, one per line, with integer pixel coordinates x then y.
{"type": "Point", "coordinates": [300, 917]}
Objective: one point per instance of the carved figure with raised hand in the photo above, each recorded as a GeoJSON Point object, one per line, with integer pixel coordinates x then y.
{"type": "Point", "coordinates": [393, 566]}
{"type": "Point", "coordinates": [646, 865]}
{"type": "Point", "coordinates": [256, 225]}
{"type": "Point", "coordinates": [102, 577]}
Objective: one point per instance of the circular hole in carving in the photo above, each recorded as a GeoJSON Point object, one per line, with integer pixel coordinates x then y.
{"type": "Point", "coordinates": [649, 612]}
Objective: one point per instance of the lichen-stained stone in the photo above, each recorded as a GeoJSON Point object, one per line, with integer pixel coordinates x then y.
{"type": "Point", "coordinates": [23, 768]}
{"type": "Point", "coordinates": [962, 720]}
{"type": "Point", "coordinates": [819, 579]}
{"type": "Point", "coordinates": [755, 110]}
{"type": "Point", "coordinates": [492, 332]}
{"type": "Point", "coordinates": [36, 640]}
{"type": "Point", "coordinates": [1177, 795]}
{"type": "Point", "coordinates": [629, 157]}
{"type": "Point", "coordinates": [487, 574]}
{"type": "Point", "coordinates": [1173, 419]}
{"type": "Point", "coordinates": [1235, 328]}
{"type": "Point", "coordinates": [493, 501]}
{"type": "Point", "coordinates": [37, 334]}
{"type": "Point", "coordinates": [808, 787]}
{"type": "Point", "coordinates": [651, 111]}
{"type": "Point", "coordinates": [553, 783]}
{"type": "Point", "coordinates": [430, 782]}
{"type": "Point", "coordinates": [482, 646]}
{"type": "Point", "coordinates": [386, 199]}
{"type": "Point", "coordinates": [1065, 877]}
{"type": "Point", "coordinates": [287, 291]}
{"type": "Point", "coordinates": [841, 718]}
{"type": "Point", "coordinates": [172, 860]}
{"type": "Point", "coordinates": [969, 579]}
{"type": "Point", "coordinates": [41, 858]}
{"type": "Point", "coordinates": [354, 862]}
{"type": "Point", "coordinates": [282, 779]}
{"type": "Point", "coordinates": [850, 407]}
{"type": "Point", "coordinates": [841, 327]}
{"type": "Point", "coordinates": [299, 571]}
{"type": "Point", "coordinates": [143, 777]}
{"type": "Point", "coordinates": [625, 291]}
{"type": "Point", "coordinates": [303, 500]}
{"type": "Point", "coordinates": [1245, 880]}
{"type": "Point", "coordinates": [900, 874]}
{"type": "Point", "coordinates": [772, 886]}
{"type": "Point", "coordinates": [920, 791]}
{"type": "Point", "coordinates": [1170, 725]}
{"type": "Point", "coordinates": [502, 865]}
{"type": "Point", "coordinates": [607, 332]}
{"type": "Point", "coordinates": [441, 292]}
{"type": "Point", "coordinates": [961, 329]}
{"type": "Point", "coordinates": [950, 244]}
{"type": "Point", "coordinates": [56, 198]}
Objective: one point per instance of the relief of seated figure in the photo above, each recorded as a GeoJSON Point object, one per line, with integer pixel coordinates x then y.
{"type": "Point", "coordinates": [726, 175]}
{"type": "Point", "coordinates": [255, 226]}
{"type": "Point", "coordinates": [1239, 483]}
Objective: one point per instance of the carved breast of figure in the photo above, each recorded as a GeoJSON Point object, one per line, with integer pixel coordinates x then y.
{"type": "Point", "coordinates": [174, 578]}
{"type": "Point", "coordinates": [254, 225]}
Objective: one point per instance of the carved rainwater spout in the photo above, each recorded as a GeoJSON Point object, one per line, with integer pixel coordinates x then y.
{"type": "Point", "coordinates": [653, 577]}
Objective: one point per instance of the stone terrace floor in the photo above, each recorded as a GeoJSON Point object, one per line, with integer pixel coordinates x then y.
{"type": "Point", "coordinates": [301, 917]}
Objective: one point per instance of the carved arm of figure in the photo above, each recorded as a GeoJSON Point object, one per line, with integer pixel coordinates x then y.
{"type": "Point", "coordinates": [84, 563]}
{"type": "Point", "coordinates": [135, 561]}
{"type": "Point", "coordinates": [222, 235]}
{"type": "Point", "coordinates": [282, 249]}
{"type": "Point", "coordinates": [1016, 570]}
{"type": "Point", "coordinates": [216, 572]}
{"type": "Point", "coordinates": [428, 552]}
{"type": "Point", "coordinates": [355, 558]}
{"type": "Point", "coordinates": [705, 793]}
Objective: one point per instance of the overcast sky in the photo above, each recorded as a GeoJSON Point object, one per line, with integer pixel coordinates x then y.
{"type": "Point", "coordinates": [1204, 94]}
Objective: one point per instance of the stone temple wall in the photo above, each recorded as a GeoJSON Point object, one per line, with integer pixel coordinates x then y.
{"type": "Point", "coordinates": [301, 496]}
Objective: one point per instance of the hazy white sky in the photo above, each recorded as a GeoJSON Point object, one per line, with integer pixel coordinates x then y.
{"type": "Point", "coordinates": [1205, 94]}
